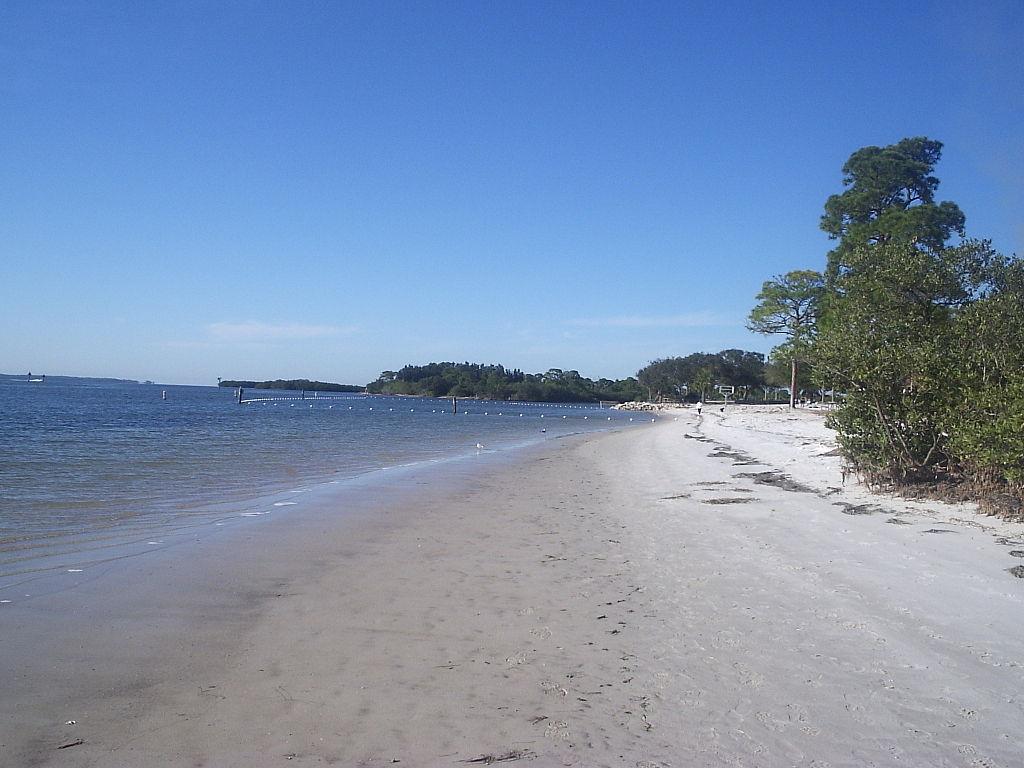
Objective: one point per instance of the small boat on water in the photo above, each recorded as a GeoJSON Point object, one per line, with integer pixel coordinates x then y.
{"type": "Point", "coordinates": [38, 380]}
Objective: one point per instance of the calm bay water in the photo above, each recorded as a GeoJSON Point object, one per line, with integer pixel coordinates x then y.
{"type": "Point", "coordinates": [84, 463]}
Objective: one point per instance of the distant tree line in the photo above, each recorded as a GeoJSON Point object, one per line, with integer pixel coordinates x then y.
{"type": "Point", "coordinates": [701, 374]}
{"type": "Point", "coordinates": [293, 384]}
{"type": "Point", "coordinates": [495, 382]}
{"type": "Point", "coordinates": [921, 329]}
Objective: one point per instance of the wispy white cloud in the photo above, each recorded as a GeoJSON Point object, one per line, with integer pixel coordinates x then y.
{"type": "Point", "coordinates": [689, 320]}
{"type": "Point", "coordinates": [249, 331]}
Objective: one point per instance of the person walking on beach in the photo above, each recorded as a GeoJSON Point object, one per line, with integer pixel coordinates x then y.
{"type": "Point", "coordinates": [700, 405]}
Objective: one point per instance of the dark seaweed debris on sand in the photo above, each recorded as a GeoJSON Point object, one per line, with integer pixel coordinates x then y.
{"type": "Point", "coordinates": [858, 509]}
{"type": "Point", "coordinates": [1017, 570]}
{"type": "Point", "coordinates": [778, 480]}
{"type": "Point", "coordinates": [1008, 542]}
{"type": "Point", "coordinates": [739, 458]}
{"type": "Point", "coordinates": [730, 500]}
{"type": "Point", "coordinates": [504, 757]}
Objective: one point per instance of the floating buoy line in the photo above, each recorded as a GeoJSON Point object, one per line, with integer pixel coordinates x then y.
{"type": "Point", "coordinates": [312, 398]}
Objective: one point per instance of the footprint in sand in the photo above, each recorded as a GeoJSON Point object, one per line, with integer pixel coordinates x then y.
{"type": "Point", "coordinates": [768, 721]}
{"type": "Point", "coordinates": [541, 633]}
{"type": "Point", "coordinates": [517, 658]}
{"type": "Point", "coordinates": [692, 698]}
{"type": "Point", "coordinates": [747, 676]}
{"type": "Point", "coordinates": [896, 753]}
{"type": "Point", "coordinates": [796, 712]}
{"type": "Point", "coordinates": [661, 680]}
{"type": "Point", "coordinates": [549, 686]}
{"type": "Point", "coordinates": [557, 730]}
{"type": "Point", "coordinates": [726, 639]}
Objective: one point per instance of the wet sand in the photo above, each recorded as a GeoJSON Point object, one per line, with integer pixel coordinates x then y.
{"type": "Point", "coordinates": [691, 593]}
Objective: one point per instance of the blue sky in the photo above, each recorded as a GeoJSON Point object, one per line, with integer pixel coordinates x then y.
{"type": "Point", "coordinates": [331, 189]}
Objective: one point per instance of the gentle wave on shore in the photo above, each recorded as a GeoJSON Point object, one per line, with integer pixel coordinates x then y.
{"type": "Point", "coordinates": [84, 465]}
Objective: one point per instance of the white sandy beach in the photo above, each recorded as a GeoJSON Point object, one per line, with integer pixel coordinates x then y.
{"type": "Point", "coordinates": [686, 594]}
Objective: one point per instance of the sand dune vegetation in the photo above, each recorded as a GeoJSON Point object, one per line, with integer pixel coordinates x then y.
{"type": "Point", "coordinates": [921, 329]}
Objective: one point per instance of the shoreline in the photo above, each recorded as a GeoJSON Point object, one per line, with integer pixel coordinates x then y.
{"type": "Point", "coordinates": [683, 594]}
{"type": "Point", "coordinates": [25, 555]}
